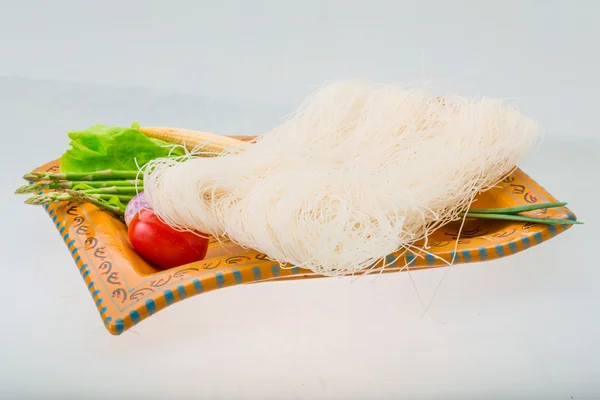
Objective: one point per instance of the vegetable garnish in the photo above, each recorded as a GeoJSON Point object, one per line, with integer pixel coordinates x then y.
{"type": "Point", "coordinates": [103, 175]}
{"type": "Point", "coordinates": [163, 246]}
{"type": "Point", "coordinates": [103, 147]}
{"type": "Point", "coordinates": [157, 242]}
{"type": "Point", "coordinates": [135, 205]}
{"type": "Point", "coordinates": [103, 168]}
{"type": "Point", "coordinates": [36, 187]}
{"type": "Point", "coordinates": [207, 144]}
{"type": "Point", "coordinates": [71, 195]}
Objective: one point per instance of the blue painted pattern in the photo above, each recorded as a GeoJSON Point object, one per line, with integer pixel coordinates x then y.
{"type": "Point", "coordinates": [220, 279]}
{"type": "Point", "coordinates": [120, 325]}
{"type": "Point", "coordinates": [150, 306]}
{"type": "Point", "coordinates": [466, 255]}
{"type": "Point", "coordinates": [135, 317]}
{"type": "Point", "coordinates": [499, 250]}
{"type": "Point", "coordinates": [275, 270]}
{"type": "Point", "coordinates": [430, 259]}
{"type": "Point", "coordinates": [181, 292]}
{"type": "Point", "coordinates": [482, 253]}
{"type": "Point", "coordinates": [237, 276]}
{"type": "Point", "coordinates": [198, 286]}
{"type": "Point", "coordinates": [169, 296]}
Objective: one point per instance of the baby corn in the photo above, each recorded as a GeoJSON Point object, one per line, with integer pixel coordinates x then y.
{"type": "Point", "coordinates": [204, 142]}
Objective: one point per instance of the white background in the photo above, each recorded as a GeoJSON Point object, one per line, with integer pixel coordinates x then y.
{"type": "Point", "coordinates": [526, 326]}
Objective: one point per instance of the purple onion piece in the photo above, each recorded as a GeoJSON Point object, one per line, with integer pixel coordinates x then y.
{"type": "Point", "coordinates": [134, 206]}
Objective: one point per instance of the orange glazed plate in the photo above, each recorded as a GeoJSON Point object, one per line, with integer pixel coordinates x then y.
{"type": "Point", "coordinates": [126, 289]}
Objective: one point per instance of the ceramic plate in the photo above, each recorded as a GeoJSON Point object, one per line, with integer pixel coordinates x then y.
{"type": "Point", "coordinates": [126, 289]}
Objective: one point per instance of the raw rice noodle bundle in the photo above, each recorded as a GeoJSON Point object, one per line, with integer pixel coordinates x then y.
{"type": "Point", "coordinates": [358, 172]}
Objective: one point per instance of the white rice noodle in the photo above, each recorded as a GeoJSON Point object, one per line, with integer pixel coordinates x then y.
{"type": "Point", "coordinates": [358, 172]}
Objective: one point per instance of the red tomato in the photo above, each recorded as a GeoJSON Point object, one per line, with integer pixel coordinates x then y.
{"type": "Point", "coordinates": [162, 245]}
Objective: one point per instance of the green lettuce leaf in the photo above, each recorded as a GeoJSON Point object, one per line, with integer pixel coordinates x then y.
{"type": "Point", "coordinates": [103, 147]}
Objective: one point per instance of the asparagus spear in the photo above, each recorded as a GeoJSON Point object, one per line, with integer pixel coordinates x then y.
{"type": "Point", "coordinates": [36, 187]}
{"type": "Point", "coordinates": [82, 176]}
{"type": "Point", "coordinates": [103, 205]}
{"type": "Point", "coordinates": [128, 190]}
{"type": "Point", "coordinates": [55, 197]}
{"type": "Point", "coordinates": [99, 201]}
{"type": "Point", "coordinates": [47, 198]}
